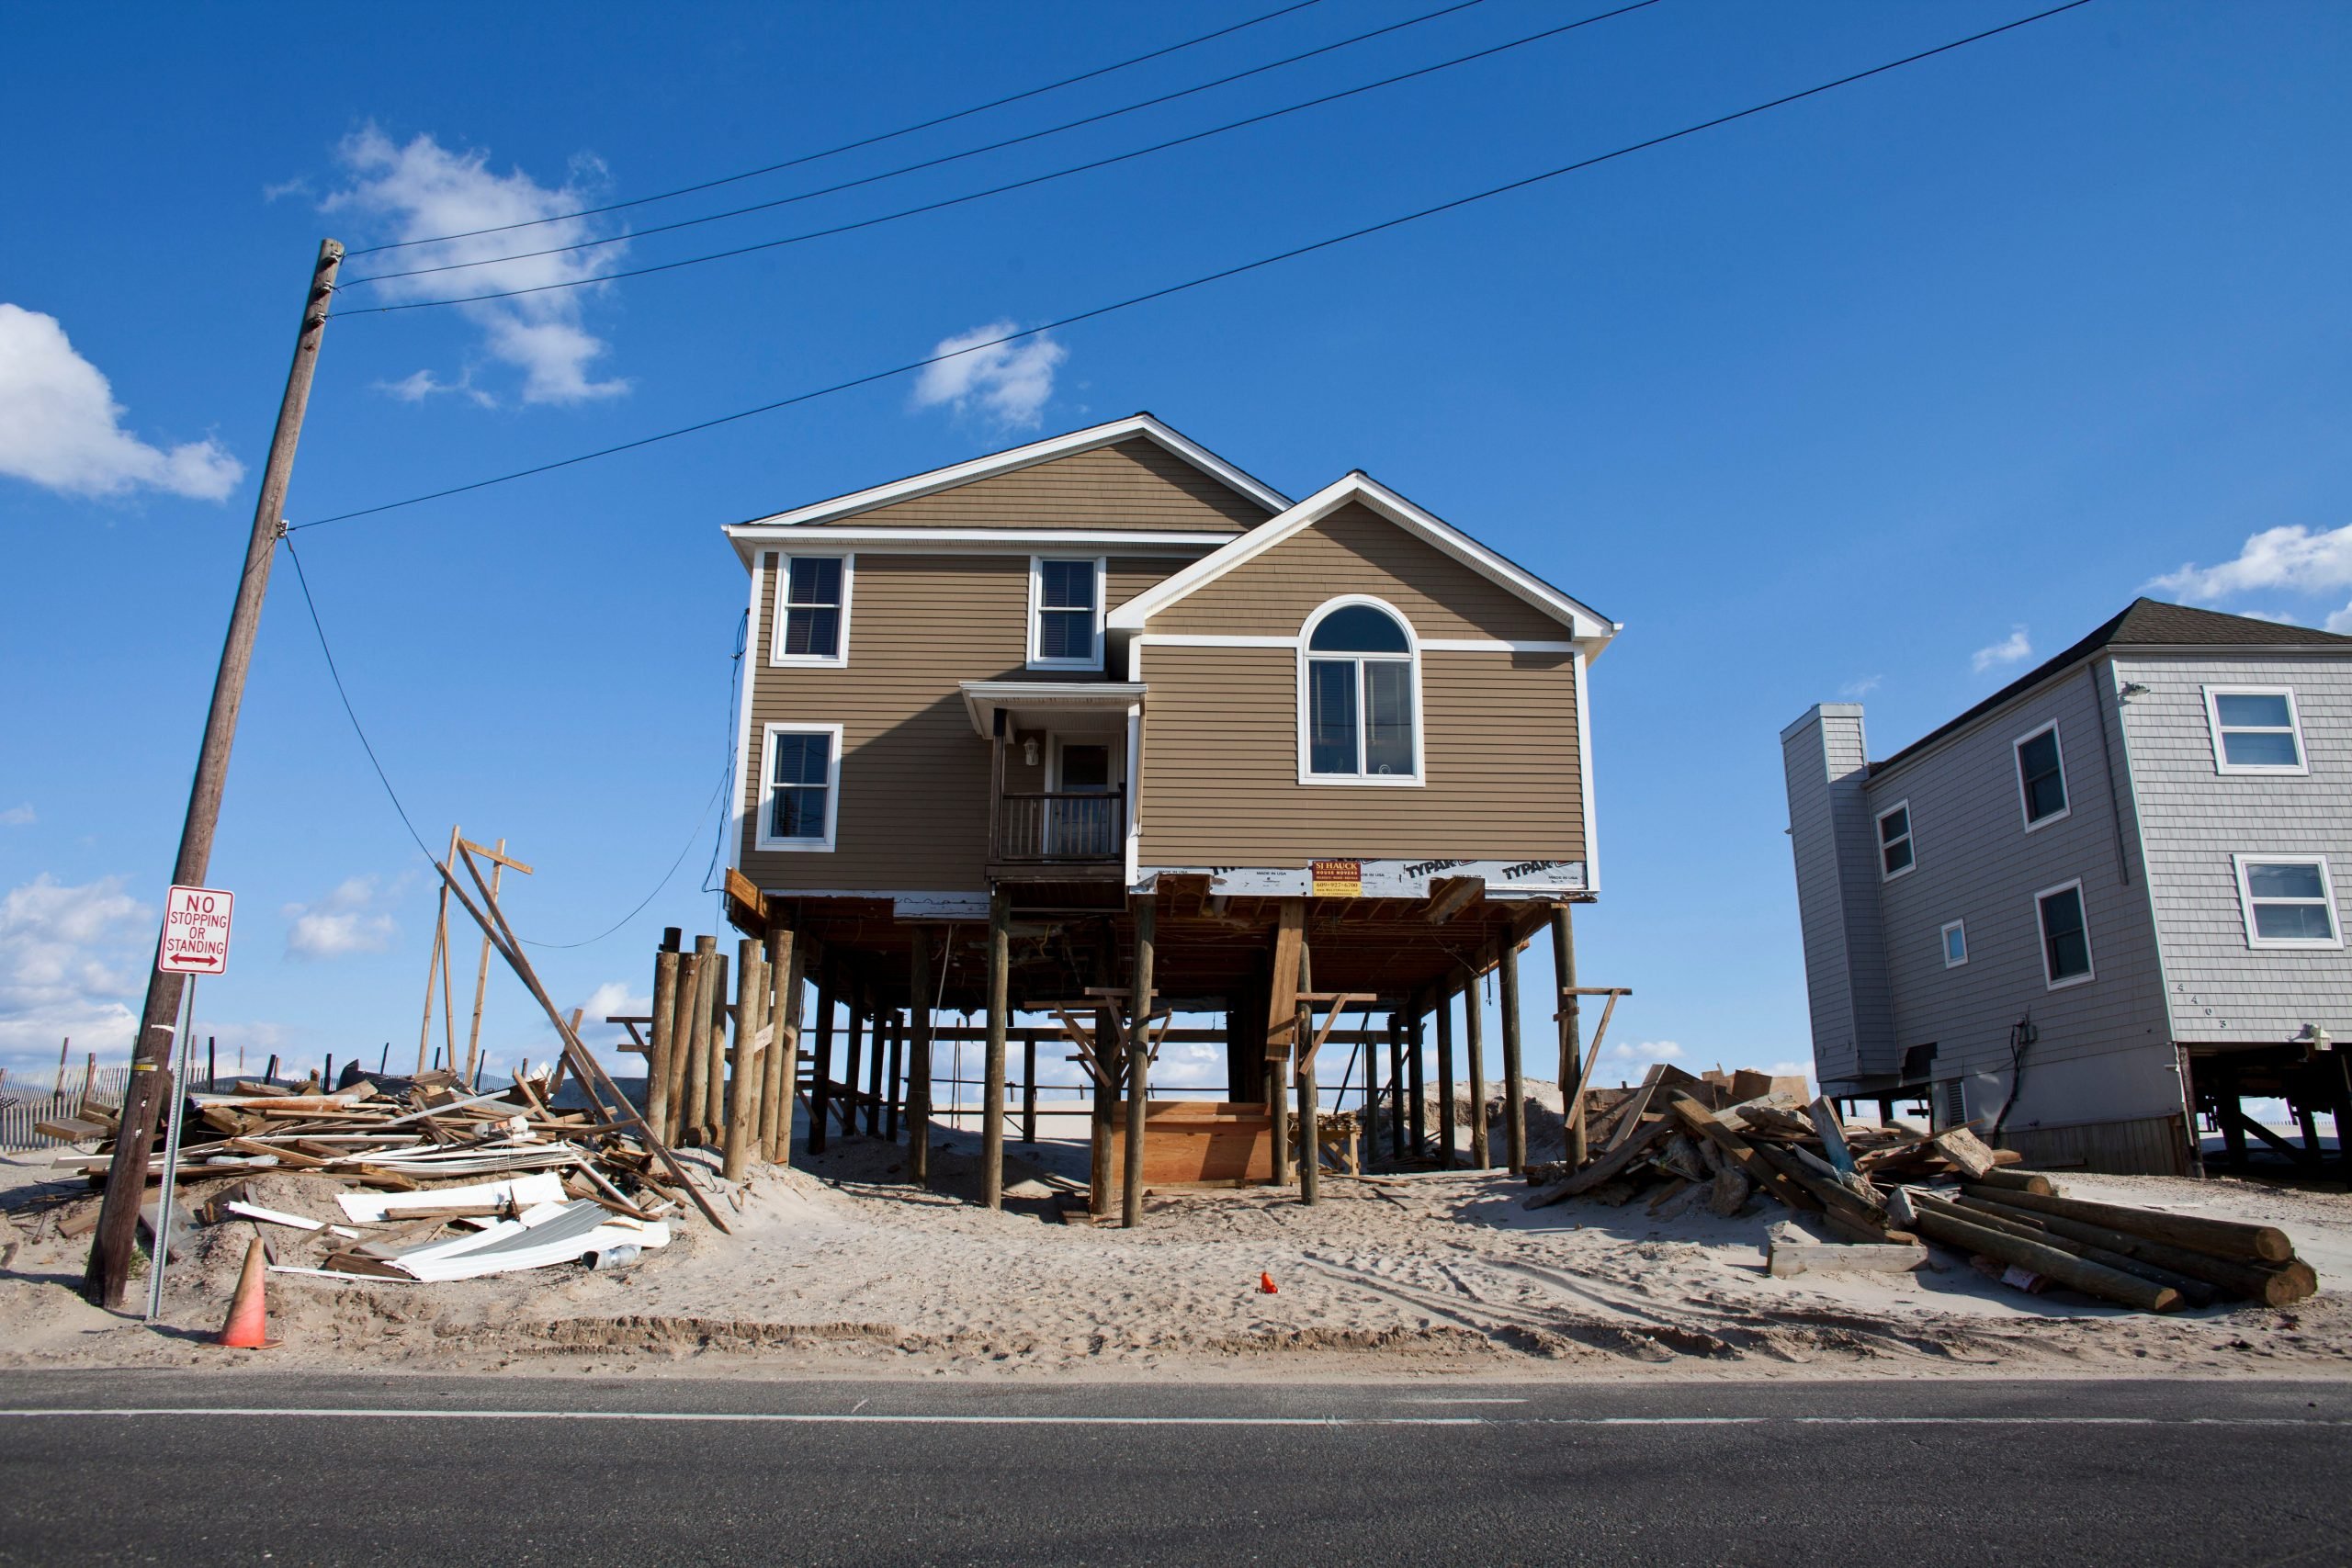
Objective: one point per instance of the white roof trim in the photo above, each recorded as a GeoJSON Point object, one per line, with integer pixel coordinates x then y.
{"type": "Point", "coordinates": [1588, 625]}
{"type": "Point", "coordinates": [1036, 452]}
{"type": "Point", "coordinates": [982, 697]}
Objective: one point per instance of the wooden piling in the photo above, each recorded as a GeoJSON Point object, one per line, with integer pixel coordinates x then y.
{"type": "Point", "coordinates": [853, 1049]}
{"type": "Point", "coordinates": [1104, 1118]}
{"type": "Point", "coordinates": [690, 1118]}
{"type": "Point", "coordinates": [744, 1089]}
{"type": "Point", "coordinates": [1444, 1077]}
{"type": "Point", "coordinates": [894, 1082]}
{"type": "Point", "coordinates": [1370, 1103]}
{"type": "Point", "coordinates": [1396, 1111]}
{"type": "Point", "coordinates": [886, 1036]}
{"type": "Point", "coordinates": [1029, 1088]}
{"type": "Point", "coordinates": [1138, 1059]}
{"type": "Point", "coordinates": [1278, 1112]}
{"type": "Point", "coordinates": [1572, 1084]}
{"type": "Point", "coordinates": [1473, 1050]}
{"type": "Point", "coordinates": [682, 1031]}
{"type": "Point", "coordinates": [920, 994]}
{"type": "Point", "coordinates": [657, 1054]}
{"type": "Point", "coordinates": [992, 1067]}
{"type": "Point", "coordinates": [1514, 1074]}
{"type": "Point", "coordinates": [714, 1106]}
{"type": "Point", "coordinates": [1418, 1115]}
{"type": "Point", "coordinates": [820, 1090]}
{"type": "Point", "coordinates": [780, 1066]}
{"type": "Point", "coordinates": [1310, 1163]}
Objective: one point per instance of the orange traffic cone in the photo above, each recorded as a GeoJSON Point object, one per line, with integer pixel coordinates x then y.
{"type": "Point", "coordinates": [1266, 1285]}
{"type": "Point", "coordinates": [248, 1324]}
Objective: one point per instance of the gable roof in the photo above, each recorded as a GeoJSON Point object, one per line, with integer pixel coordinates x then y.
{"type": "Point", "coordinates": [1585, 624]}
{"type": "Point", "coordinates": [2144, 625]}
{"type": "Point", "coordinates": [1139, 424]}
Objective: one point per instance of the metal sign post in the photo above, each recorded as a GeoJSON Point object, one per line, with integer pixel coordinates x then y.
{"type": "Point", "coordinates": [195, 942]}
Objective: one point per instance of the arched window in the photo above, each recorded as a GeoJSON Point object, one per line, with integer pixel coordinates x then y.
{"type": "Point", "coordinates": [1358, 689]}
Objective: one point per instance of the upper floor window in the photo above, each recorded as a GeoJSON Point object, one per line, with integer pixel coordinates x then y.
{"type": "Point", "coordinates": [1360, 704]}
{"type": "Point", "coordinates": [812, 610]}
{"type": "Point", "coordinates": [2065, 935]}
{"type": "Point", "coordinates": [801, 789]}
{"type": "Point", "coordinates": [1066, 613]}
{"type": "Point", "coordinates": [2041, 777]}
{"type": "Point", "coordinates": [2289, 901]}
{"type": "Point", "coordinates": [1895, 840]}
{"type": "Point", "coordinates": [2255, 729]}
{"type": "Point", "coordinates": [1955, 935]}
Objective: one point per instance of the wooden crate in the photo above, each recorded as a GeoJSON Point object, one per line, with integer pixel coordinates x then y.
{"type": "Point", "coordinates": [1195, 1140]}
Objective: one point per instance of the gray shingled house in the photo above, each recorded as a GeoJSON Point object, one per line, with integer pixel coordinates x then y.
{"type": "Point", "coordinates": [2098, 905]}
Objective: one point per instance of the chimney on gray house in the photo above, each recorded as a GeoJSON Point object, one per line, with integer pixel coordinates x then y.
{"type": "Point", "coordinates": [1845, 953]}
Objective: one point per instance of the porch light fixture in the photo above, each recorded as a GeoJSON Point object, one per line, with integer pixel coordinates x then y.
{"type": "Point", "coordinates": [1029, 752]}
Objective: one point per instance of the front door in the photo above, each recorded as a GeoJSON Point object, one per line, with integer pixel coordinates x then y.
{"type": "Point", "coordinates": [1083, 819]}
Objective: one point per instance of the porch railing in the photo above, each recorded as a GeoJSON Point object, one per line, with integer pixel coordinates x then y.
{"type": "Point", "coordinates": [1064, 824]}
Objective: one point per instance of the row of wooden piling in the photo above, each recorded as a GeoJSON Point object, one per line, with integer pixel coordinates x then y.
{"type": "Point", "coordinates": [721, 1077]}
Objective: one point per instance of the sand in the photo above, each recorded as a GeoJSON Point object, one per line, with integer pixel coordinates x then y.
{"type": "Point", "coordinates": [842, 1269]}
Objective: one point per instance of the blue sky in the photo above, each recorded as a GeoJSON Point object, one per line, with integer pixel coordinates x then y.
{"type": "Point", "coordinates": [1867, 396]}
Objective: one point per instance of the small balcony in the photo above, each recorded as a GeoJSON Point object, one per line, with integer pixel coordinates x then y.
{"type": "Point", "coordinates": [1064, 832]}
{"type": "Point", "coordinates": [1039, 733]}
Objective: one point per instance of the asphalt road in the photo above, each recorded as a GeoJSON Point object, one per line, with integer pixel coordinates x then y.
{"type": "Point", "coordinates": [584, 1470]}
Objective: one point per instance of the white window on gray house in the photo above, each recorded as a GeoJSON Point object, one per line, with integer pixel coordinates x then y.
{"type": "Point", "coordinates": [812, 610]}
{"type": "Point", "coordinates": [2255, 730]}
{"type": "Point", "coordinates": [1066, 614]}
{"type": "Point", "coordinates": [1895, 840]}
{"type": "Point", "coordinates": [802, 777]}
{"type": "Point", "coordinates": [2066, 936]}
{"type": "Point", "coordinates": [1955, 940]}
{"type": "Point", "coordinates": [2041, 777]}
{"type": "Point", "coordinates": [1359, 722]}
{"type": "Point", "coordinates": [2290, 901]}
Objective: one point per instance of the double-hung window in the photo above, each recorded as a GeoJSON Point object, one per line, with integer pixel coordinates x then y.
{"type": "Point", "coordinates": [799, 798]}
{"type": "Point", "coordinates": [2255, 730]}
{"type": "Point", "coordinates": [1066, 613]}
{"type": "Point", "coordinates": [2065, 935]}
{"type": "Point", "coordinates": [1895, 840]}
{"type": "Point", "coordinates": [2041, 777]}
{"type": "Point", "coordinates": [1358, 702]}
{"type": "Point", "coordinates": [1955, 939]}
{"type": "Point", "coordinates": [812, 610]}
{"type": "Point", "coordinates": [2290, 901]}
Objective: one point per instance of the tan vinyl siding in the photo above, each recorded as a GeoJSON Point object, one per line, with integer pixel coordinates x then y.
{"type": "Point", "coordinates": [913, 810]}
{"type": "Point", "coordinates": [1355, 550]}
{"type": "Point", "coordinates": [1220, 770]}
{"type": "Point", "coordinates": [1136, 484]}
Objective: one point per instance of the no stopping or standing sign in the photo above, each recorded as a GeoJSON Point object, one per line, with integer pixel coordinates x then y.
{"type": "Point", "coordinates": [196, 932]}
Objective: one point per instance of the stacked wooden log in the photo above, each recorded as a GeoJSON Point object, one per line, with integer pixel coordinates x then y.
{"type": "Point", "coordinates": [399, 1134]}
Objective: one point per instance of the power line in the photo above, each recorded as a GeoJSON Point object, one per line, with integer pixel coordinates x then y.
{"type": "Point", "coordinates": [851, 146]}
{"type": "Point", "coordinates": [968, 153]}
{"type": "Point", "coordinates": [1219, 276]}
{"type": "Point", "coordinates": [360, 730]}
{"type": "Point", "coordinates": [1012, 186]}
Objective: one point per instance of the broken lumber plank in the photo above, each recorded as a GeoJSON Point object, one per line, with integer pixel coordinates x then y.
{"type": "Point", "coordinates": [2273, 1284]}
{"type": "Point", "coordinates": [1964, 1149]}
{"type": "Point", "coordinates": [2040, 1258]}
{"type": "Point", "coordinates": [1700, 1120]}
{"type": "Point", "coordinates": [1791, 1251]}
{"type": "Point", "coordinates": [2220, 1238]}
{"type": "Point", "coordinates": [1608, 1164]}
{"type": "Point", "coordinates": [2018, 1181]}
{"type": "Point", "coordinates": [1832, 1133]}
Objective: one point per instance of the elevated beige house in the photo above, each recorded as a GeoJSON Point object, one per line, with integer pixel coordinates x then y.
{"type": "Point", "coordinates": [1110, 677]}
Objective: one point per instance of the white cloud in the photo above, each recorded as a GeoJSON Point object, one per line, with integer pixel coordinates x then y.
{"type": "Point", "coordinates": [17, 815]}
{"type": "Point", "coordinates": [1008, 383]}
{"type": "Point", "coordinates": [345, 922]}
{"type": "Point", "coordinates": [2011, 650]}
{"type": "Point", "coordinates": [1644, 1050]}
{"type": "Point", "coordinates": [70, 966]}
{"type": "Point", "coordinates": [2292, 559]}
{"type": "Point", "coordinates": [423, 384]}
{"type": "Point", "coordinates": [423, 190]}
{"type": "Point", "coordinates": [1855, 691]}
{"type": "Point", "coordinates": [61, 428]}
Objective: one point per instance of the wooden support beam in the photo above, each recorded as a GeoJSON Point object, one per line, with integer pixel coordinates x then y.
{"type": "Point", "coordinates": [1572, 1077]}
{"type": "Point", "coordinates": [920, 997]}
{"type": "Point", "coordinates": [657, 1059]}
{"type": "Point", "coordinates": [744, 1087]}
{"type": "Point", "coordinates": [1451, 896]}
{"type": "Point", "coordinates": [691, 1123]}
{"type": "Point", "coordinates": [781, 1066]}
{"type": "Point", "coordinates": [1282, 1004]}
{"type": "Point", "coordinates": [1473, 1050]}
{"type": "Point", "coordinates": [1514, 1073]}
{"type": "Point", "coordinates": [1446, 1118]}
{"type": "Point", "coordinates": [1145, 909]}
{"type": "Point", "coordinates": [1310, 1164]}
{"type": "Point", "coordinates": [992, 1068]}
{"type": "Point", "coordinates": [820, 1091]}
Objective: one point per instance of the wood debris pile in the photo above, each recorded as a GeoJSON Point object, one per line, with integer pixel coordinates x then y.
{"type": "Point", "coordinates": [1685, 1140]}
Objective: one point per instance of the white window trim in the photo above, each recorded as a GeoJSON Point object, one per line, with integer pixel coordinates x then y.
{"type": "Point", "coordinates": [1036, 607]}
{"type": "Point", "coordinates": [1879, 828]}
{"type": "Point", "coordinates": [768, 733]}
{"type": "Point", "coordinates": [2246, 903]}
{"type": "Point", "coordinates": [2041, 936]}
{"type": "Point", "coordinates": [782, 565]}
{"type": "Point", "coordinates": [1115, 743]}
{"type": "Point", "coordinates": [1418, 777]}
{"type": "Point", "coordinates": [2302, 765]}
{"type": "Point", "coordinates": [1943, 944]}
{"type": "Point", "coordinates": [2066, 785]}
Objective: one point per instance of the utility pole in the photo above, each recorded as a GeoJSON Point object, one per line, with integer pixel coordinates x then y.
{"type": "Point", "coordinates": [108, 1274]}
